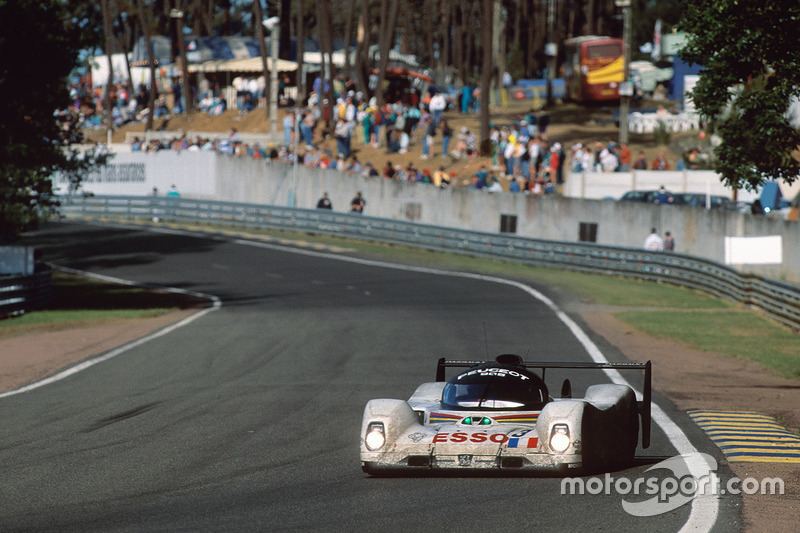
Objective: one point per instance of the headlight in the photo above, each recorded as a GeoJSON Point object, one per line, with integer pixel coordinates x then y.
{"type": "Point", "coordinates": [559, 438]}
{"type": "Point", "coordinates": [376, 436]}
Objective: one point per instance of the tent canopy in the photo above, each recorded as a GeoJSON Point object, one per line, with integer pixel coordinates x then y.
{"type": "Point", "coordinates": [251, 64]}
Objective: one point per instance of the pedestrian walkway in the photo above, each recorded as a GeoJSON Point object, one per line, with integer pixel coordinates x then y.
{"type": "Point", "coordinates": [749, 437]}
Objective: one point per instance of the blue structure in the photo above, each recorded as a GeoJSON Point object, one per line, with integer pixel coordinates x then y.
{"type": "Point", "coordinates": [680, 69]}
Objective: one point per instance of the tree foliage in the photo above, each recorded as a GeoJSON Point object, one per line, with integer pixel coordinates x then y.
{"type": "Point", "coordinates": [39, 43]}
{"type": "Point", "coordinates": [750, 56]}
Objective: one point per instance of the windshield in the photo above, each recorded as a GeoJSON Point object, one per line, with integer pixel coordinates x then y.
{"type": "Point", "coordinates": [495, 387]}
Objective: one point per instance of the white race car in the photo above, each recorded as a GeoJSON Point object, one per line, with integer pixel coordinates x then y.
{"type": "Point", "coordinates": [498, 416]}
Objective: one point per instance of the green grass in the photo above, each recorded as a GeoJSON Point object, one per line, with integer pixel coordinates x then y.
{"type": "Point", "coordinates": [742, 334]}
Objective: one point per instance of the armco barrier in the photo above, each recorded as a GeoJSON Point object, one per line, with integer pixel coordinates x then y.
{"type": "Point", "coordinates": [779, 300]}
{"type": "Point", "coordinates": [20, 294]}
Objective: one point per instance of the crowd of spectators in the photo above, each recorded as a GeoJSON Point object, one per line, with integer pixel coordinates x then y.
{"type": "Point", "coordinates": [523, 157]}
{"type": "Point", "coordinates": [393, 126]}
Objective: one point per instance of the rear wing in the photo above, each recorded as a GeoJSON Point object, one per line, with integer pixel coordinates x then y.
{"type": "Point", "coordinates": [644, 406]}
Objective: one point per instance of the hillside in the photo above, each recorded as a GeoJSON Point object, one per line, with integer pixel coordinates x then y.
{"type": "Point", "coordinates": [569, 124]}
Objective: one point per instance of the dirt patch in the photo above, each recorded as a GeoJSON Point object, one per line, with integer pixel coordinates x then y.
{"type": "Point", "coordinates": [29, 358]}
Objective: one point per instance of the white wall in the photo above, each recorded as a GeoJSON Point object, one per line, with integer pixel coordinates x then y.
{"type": "Point", "coordinates": [697, 231]}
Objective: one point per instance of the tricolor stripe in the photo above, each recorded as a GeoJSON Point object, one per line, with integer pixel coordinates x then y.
{"type": "Point", "coordinates": [522, 442]}
{"type": "Point", "coordinates": [526, 418]}
{"type": "Point", "coordinates": [443, 417]}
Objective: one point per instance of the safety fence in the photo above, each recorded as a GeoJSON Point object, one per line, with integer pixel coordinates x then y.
{"type": "Point", "coordinates": [20, 294]}
{"type": "Point", "coordinates": [779, 300]}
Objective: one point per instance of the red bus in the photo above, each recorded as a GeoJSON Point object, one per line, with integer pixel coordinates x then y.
{"type": "Point", "coordinates": [593, 68]}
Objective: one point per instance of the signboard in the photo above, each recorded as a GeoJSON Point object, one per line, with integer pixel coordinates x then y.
{"type": "Point", "coordinates": [754, 250]}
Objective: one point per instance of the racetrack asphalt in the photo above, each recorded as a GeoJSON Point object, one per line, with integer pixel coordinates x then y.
{"type": "Point", "coordinates": [248, 417]}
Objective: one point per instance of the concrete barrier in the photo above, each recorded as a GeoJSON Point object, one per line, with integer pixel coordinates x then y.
{"type": "Point", "coordinates": [697, 231]}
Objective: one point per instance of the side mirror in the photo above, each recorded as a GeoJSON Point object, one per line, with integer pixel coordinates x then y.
{"type": "Point", "coordinates": [566, 389]}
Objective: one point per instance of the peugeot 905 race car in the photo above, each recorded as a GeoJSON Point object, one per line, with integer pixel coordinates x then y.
{"type": "Point", "coordinates": [499, 417]}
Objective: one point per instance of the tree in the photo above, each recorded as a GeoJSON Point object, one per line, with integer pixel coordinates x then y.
{"type": "Point", "coordinates": [486, 18]}
{"type": "Point", "coordinates": [262, 47]}
{"type": "Point", "coordinates": [300, 36]}
{"type": "Point", "coordinates": [33, 85]}
{"type": "Point", "coordinates": [388, 21]}
{"type": "Point", "coordinates": [144, 20]}
{"type": "Point", "coordinates": [109, 37]}
{"type": "Point", "coordinates": [751, 74]}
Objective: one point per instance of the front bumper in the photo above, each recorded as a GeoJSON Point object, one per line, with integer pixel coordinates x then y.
{"type": "Point", "coordinates": [463, 463]}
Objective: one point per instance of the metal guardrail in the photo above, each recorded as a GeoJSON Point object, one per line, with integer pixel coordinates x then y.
{"type": "Point", "coordinates": [779, 300]}
{"type": "Point", "coordinates": [20, 294]}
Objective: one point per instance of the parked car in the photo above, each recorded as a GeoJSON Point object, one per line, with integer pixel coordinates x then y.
{"type": "Point", "coordinates": [654, 197]}
{"type": "Point", "coordinates": [700, 200]}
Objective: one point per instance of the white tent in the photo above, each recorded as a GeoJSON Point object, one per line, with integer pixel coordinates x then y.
{"type": "Point", "coordinates": [250, 64]}
{"type": "Point", "coordinates": [99, 66]}
{"type": "Point", "coordinates": [337, 58]}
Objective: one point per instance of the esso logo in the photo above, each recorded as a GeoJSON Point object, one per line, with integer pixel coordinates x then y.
{"type": "Point", "coordinates": [474, 438]}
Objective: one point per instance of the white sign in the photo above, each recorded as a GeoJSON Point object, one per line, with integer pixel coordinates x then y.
{"type": "Point", "coordinates": [754, 250]}
{"type": "Point", "coordinates": [626, 88]}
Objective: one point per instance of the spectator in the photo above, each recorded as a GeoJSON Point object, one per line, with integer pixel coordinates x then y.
{"type": "Point", "coordinates": [624, 156]}
{"type": "Point", "coordinates": [466, 99]}
{"type": "Point", "coordinates": [447, 134]}
{"type": "Point", "coordinates": [641, 162]}
{"type": "Point", "coordinates": [494, 185]}
{"type": "Point", "coordinates": [660, 162]}
{"type": "Point", "coordinates": [653, 242]}
{"type": "Point", "coordinates": [663, 196]}
{"type": "Point", "coordinates": [342, 131]}
{"type": "Point", "coordinates": [465, 145]}
{"type": "Point", "coordinates": [357, 204]}
{"type": "Point", "coordinates": [288, 128]}
{"type": "Point", "coordinates": [427, 140]}
{"type": "Point", "coordinates": [307, 128]}
{"type": "Point", "coordinates": [543, 120]}
{"type": "Point", "coordinates": [173, 192]}
{"type": "Point", "coordinates": [440, 178]}
{"type": "Point", "coordinates": [324, 202]}
{"type": "Point", "coordinates": [369, 171]}
{"type": "Point", "coordinates": [437, 106]}
{"type": "Point", "coordinates": [483, 177]}
{"type": "Point", "coordinates": [669, 242]}
{"type": "Point", "coordinates": [608, 160]}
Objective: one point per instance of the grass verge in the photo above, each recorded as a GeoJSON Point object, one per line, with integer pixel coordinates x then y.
{"type": "Point", "coordinates": [79, 302]}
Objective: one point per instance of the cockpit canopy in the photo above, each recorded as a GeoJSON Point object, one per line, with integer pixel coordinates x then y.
{"type": "Point", "coordinates": [495, 386]}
